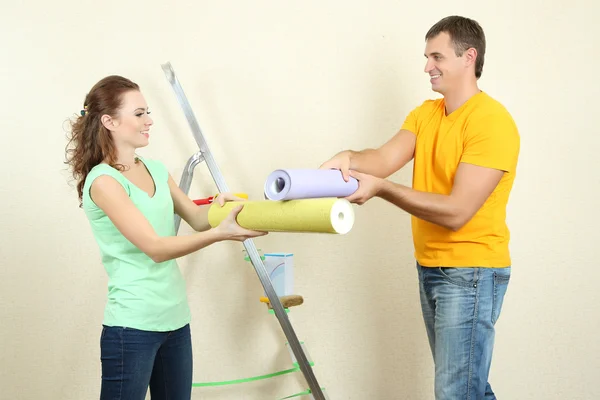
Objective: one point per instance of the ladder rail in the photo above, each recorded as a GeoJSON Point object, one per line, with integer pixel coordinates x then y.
{"type": "Point", "coordinates": [205, 155]}
{"type": "Point", "coordinates": [186, 180]}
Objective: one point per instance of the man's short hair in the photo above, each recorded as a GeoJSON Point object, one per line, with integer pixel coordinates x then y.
{"type": "Point", "coordinates": [464, 34]}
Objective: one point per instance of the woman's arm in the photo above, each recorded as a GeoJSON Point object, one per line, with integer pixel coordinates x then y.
{"type": "Point", "coordinates": [110, 196]}
{"type": "Point", "coordinates": [196, 216]}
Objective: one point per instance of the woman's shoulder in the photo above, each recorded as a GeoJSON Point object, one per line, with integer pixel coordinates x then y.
{"type": "Point", "coordinates": [96, 172]}
{"type": "Point", "coordinates": [103, 169]}
{"type": "Point", "coordinates": [152, 161]}
{"type": "Point", "coordinates": [155, 166]}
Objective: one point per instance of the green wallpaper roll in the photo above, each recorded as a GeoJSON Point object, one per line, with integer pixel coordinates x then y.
{"type": "Point", "coordinates": [320, 215]}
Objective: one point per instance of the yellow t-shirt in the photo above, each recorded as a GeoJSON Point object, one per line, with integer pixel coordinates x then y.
{"type": "Point", "coordinates": [480, 132]}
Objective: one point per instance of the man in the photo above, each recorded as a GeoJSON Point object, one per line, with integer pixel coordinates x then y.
{"type": "Point", "coordinates": [465, 147]}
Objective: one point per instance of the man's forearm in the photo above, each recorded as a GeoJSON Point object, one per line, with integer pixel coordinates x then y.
{"type": "Point", "coordinates": [367, 161]}
{"type": "Point", "coordinates": [435, 208]}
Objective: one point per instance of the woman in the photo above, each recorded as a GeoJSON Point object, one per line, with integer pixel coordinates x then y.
{"type": "Point", "coordinates": [130, 203]}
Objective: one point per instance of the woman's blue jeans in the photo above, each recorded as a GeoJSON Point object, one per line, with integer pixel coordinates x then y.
{"type": "Point", "coordinates": [461, 307]}
{"type": "Point", "coordinates": [133, 360]}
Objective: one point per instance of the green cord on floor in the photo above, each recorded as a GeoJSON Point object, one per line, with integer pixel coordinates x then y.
{"type": "Point", "coordinates": [254, 378]}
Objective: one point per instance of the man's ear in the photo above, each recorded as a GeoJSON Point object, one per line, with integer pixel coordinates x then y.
{"type": "Point", "coordinates": [108, 122]}
{"type": "Point", "coordinates": [470, 56]}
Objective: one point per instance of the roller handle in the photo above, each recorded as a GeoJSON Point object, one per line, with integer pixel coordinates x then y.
{"type": "Point", "coordinates": [210, 199]}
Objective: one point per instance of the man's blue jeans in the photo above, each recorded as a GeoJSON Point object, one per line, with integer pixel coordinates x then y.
{"type": "Point", "coordinates": [132, 360]}
{"type": "Point", "coordinates": [460, 308]}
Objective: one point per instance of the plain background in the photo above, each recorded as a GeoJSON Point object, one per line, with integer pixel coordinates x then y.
{"type": "Point", "coordinates": [279, 84]}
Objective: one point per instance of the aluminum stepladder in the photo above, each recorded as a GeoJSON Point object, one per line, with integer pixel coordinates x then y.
{"type": "Point", "coordinates": [204, 155]}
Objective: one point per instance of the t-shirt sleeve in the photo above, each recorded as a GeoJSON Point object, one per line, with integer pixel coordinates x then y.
{"type": "Point", "coordinates": [95, 173]}
{"type": "Point", "coordinates": [493, 142]}
{"type": "Point", "coordinates": [411, 122]}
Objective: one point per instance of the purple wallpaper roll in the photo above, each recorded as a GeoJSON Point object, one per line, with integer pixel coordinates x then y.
{"type": "Point", "coordinates": [291, 184]}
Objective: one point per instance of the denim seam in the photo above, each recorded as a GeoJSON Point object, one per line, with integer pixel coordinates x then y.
{"type": "Point", "coordinates": [466, 285]}
{"type": "Point", "coordinates": [498, 279]}
{"type": "Point", "coordinates": [425, 283]}
{"type": "Point", "coordinates": [164, 376]}
{"type": "Point", "coordinates": [473, 330]}
{"type": "Point", "coordinates": [494, 299]}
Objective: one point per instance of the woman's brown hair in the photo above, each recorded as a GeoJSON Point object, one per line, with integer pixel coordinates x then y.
{"type": "Point", "coordinates": [90, 143]}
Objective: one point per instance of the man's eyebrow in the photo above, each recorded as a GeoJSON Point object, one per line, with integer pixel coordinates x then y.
{"type": "Point", "coordinates": [435, 53]}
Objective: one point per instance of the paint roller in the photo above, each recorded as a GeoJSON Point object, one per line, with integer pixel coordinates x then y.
{"type": "Point", "coordinates": [319, 215]}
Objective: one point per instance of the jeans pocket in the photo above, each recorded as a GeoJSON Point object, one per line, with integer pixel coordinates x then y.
{"type": "Point", "coordinates": [501, 279]}
{"type": "Point", "coordinates": [464, 277]}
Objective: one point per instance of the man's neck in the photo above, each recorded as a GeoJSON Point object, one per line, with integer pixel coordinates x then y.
{"type": "Point", "coordinates": [457, 98]}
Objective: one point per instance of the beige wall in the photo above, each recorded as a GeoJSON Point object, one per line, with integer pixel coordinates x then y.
{"type": "Point", "coordinates": [309, 79]}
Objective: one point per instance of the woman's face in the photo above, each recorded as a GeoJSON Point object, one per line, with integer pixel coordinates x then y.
{"type": "Point", "coordinates": [132, 125]}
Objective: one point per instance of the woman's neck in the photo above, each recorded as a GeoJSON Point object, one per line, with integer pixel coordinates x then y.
{"type": "Point", "coordinates": [127, 158]}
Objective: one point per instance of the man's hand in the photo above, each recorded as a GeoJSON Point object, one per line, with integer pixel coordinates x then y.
{"type": "Point", "coordinates": [380, 162]}
{"type": "Point", "coordinates": [368, 187]}
{"type": "Point", "coordinates": [340, 161]}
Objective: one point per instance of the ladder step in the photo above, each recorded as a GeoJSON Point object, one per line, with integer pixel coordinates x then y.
{"type": "Point", "coordinates": [307, 392]}
{"type": "Point", "coordinates": [286, 301]}
{"type": "Point", "coordinates": [293, 357]}
{"type": "Point", "coordinates": [246, 380]}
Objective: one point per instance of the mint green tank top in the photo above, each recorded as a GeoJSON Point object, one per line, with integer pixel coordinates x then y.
{"type": "Point", "coordinates": [142, 294]}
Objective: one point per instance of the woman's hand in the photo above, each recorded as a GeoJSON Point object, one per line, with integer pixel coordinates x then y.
{"type": "Point", "coordinates": [230, 230]}
{"type": "Point", "coordinates": [221, 198]}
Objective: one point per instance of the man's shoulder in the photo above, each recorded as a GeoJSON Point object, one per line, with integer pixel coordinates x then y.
{"type": "Point", "coordinates": [431, 104]}
{"type": "Point", "coordinates": [428, 108]}
{"type": "Point", "coordinates": [490, 117]}
{"type": "Point", "coordinates": [489, 105]}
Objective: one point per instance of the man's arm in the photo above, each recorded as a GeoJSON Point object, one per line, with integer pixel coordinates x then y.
{"type": "Point", "coordinates": [491, 149]}
{"type": "Point", "coordinates": [387, 159]}
{"type": "Point", "coordinates": [380, 162]}
{"type": "Point", "coordinates": [472, 187]}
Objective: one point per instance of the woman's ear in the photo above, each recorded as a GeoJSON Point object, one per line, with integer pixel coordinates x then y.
{"type": "Point", "coordinates": [108, 122]}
